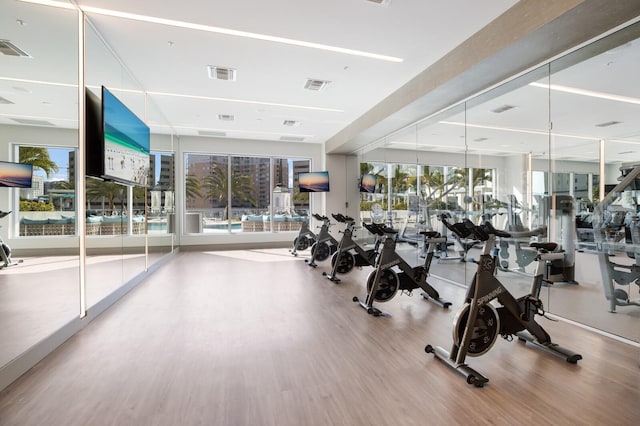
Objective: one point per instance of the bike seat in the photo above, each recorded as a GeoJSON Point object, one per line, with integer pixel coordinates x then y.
{"type": "Point", "coordinates": [544, 246]}
{"type": "Point", "coordinates": [430, 234]}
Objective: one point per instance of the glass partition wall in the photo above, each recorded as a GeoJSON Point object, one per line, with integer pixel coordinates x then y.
{"type": "Point", "coordinates": [535, 156]}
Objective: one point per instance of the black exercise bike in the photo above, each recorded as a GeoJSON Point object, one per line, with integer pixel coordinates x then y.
{"type": "Point", "coordinates": [478, 323]}
{"type": "Point", "coordinates": [384, 282]}
{"type": "Point", "coordinates": [350, 254]}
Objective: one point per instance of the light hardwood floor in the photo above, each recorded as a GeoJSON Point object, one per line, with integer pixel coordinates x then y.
{"type": "Point", "coordinates": [259, 338]}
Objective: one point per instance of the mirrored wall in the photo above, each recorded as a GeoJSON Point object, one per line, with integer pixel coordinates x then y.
{"type": "Point", "coordinates": [129, 229]}
{"type": "Point", "coordinates": [542, 157]}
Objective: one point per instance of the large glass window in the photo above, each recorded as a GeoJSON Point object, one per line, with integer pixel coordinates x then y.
{"type": "Point", "coordinates": [227, 193]}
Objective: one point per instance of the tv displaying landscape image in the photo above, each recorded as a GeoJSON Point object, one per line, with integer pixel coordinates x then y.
{"type": "Point", "coordinates": [15, 175]}
{"type": "Point", "coordinates": [368, 183]}
{"type": "Point", "coordinates": [314, 181]}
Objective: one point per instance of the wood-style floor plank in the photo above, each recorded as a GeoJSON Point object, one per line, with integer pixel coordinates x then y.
{"type": "Point", "coordinates": [259, 338]}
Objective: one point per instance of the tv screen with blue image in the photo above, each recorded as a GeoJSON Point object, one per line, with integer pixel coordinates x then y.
{"type": "Point", "coordinates": [126, 142]}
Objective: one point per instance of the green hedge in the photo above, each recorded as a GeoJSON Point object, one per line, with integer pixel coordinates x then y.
{"type": "Point", "coordinates": [35, 206]}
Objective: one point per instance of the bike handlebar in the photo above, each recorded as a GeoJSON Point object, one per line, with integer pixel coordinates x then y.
{"type": "Point", "coordinates": [466, 228]}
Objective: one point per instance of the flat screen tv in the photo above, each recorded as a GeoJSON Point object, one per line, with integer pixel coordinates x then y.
{"type": "Point", "coordinates": [314, 181]}
{"type": "Point", "coordinates": [368, 183]}
{"type": "Point", "coordinates": [118, 142]}
{"type": "Point", "coordinates": [15, 175]}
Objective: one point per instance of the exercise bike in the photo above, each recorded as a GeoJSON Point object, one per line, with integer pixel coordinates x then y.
{"type": "Point", "coordinates": [325, 244]}
{"type": "Point", "coordinates": [478, 323]}
{"type": "Point", "coordinates": [5, 251]}
{"type": "Point", "coordinates": [344, 260]}
{"type": "Point", "coordinates": [384, 282]}
{"type": "Point", "coordinates": [304, 239]}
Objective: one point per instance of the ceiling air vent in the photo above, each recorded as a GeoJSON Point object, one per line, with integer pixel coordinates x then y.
{"type": "Point", "coordinates": [608, 123]}
{"type": "Point", "coordinates": [314, 84]}
{"type": "Point", "coordinates": [291, 138]}
{"type": "Point", "coordinates": [211, 133]}
{"type": "Point", "coordinates": [4, 101]}
{"type": "Point", "coordinates": [222, 73]}
{"type": "Point", "coordinates": [291, 123]}
{"type": "Point", "coordinates": [226, 117]}
{"type": "Point", "coordinates": [10, 49]}
{"type": "Point", "coordinates": [503, 108]}
{"type": "Point", "coordinates": [32, 122]}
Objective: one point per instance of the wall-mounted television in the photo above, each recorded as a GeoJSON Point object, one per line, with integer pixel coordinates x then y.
{"type": "Point", "coordinates": [15, 175]}
{"type": "Point", "coordinates": [117, 141]}
{"type": "Point", "coordinates": [368, 183]}
{"type": "Point", "coordinates": [313, 181]}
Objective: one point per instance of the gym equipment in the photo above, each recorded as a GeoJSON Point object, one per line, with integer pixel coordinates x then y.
{"type": "Point", "coordinates": [5, 252]}
{"type": "Point", "coordinates": [461, 246]}
{"type": "Point", "coordinates": [383, 283]}
{"type": "Point", "coordinates": [320, 250]}
{"type": "Point", "coordinates": [478, 323]}
{"type": "Point", "coordinates": [608, 224]}
{"type": "Point", "coordinates": [344, 260]}
{"type": "Point", "coordinates": [304, 239]}
{"type": "Point", "coordinates": [524, 257]}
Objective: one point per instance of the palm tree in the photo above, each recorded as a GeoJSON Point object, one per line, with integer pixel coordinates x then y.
{"type": "Point", "coordinates": [38, 157]}
{"type": "Point", "coordinates": [193, 187]}
{"type": "Point", "coordinates": [216, 187]}
{"type": "Point", "coordinates": [98, 190]}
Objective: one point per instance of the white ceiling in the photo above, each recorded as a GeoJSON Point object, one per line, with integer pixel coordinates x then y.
{"type": "Point", "coordinates": [169, 63]}
{"type": "Point", "coordinates": [173, 60]}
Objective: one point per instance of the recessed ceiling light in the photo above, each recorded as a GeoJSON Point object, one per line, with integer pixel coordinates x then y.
{"type": "Point", "coordinates": [10, 49]}
{"type": "Point", "coordinates": [226, 117]}
{"type": "Point", "coordinates": [222, 73]}
{"type": "Point", "coordinates": [503, 108]}
{"type": "Point", "coordinates": [291, 138]}
{"type": "Point", "coordinates": [608, 123]}
{"type": "Point", "coordinates": [480, 139]}
{"type": "Point", "coordinates": [315, 84]}
{"type": "Point", "coordinates": [211, 133]}
{"type": "Point", "coordinates": [380, 2]}
{"type": "Point", "coordinates": [585, 92]}
{"type": "Point", "coordinates": [291, 123]}
{"type": "Point", "coordinates": [32, 122]}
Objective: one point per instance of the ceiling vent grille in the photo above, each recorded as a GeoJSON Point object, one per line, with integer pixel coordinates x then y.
{"type": "Point", "coordinates": [291, 123]}
{"type": "Point", "coordinates": [222, 73]}
{"type": "Point", "coordinates": [226, 117]}
{"type": "Point", "coordinates": [212, 133]}
{"type": "Point", "coordinates": [10, 49]}
{"type": "Point", "coordinates": [291, 138]}
{"type": "Point", "coordinates": [4, 101]}
{"type": "Point", "coordinates": [32, 122]}
{"type": "Point", "coordinates": [503, 108]}
{"type": "Point", "coordinates": [314, 84]}
{"type": "Point", "coordinates": [608, 123]}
